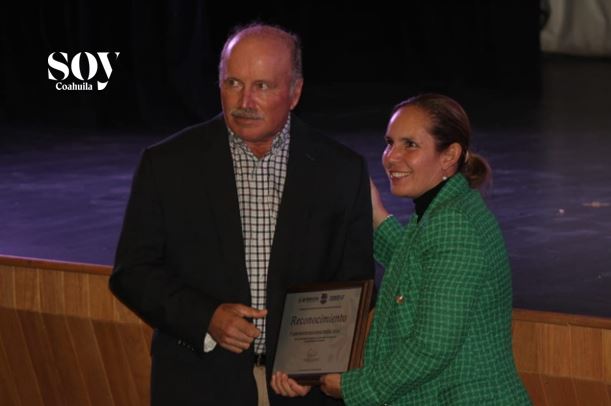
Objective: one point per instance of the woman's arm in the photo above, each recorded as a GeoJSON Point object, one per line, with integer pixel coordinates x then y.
{"type": "Point", "coordinates": [386, 228]}
{"type": "Point", "coordinates": [453, 266]}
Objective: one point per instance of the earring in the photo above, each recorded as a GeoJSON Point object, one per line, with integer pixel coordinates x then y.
{"type": "Point", "coordinates": [444, 177]}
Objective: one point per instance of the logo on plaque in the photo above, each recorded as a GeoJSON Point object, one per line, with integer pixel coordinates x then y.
{"type": "Point", "coordinates": [311, 355]}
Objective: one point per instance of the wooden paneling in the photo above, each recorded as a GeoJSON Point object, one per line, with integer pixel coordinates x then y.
{"type": "Point", "coordinates": [586, 353]}
{"type": "Point", "coordinates": [553, 350]}
{"type": "Point", "coordinates": [559, 391]}
{"type": "Point", "coordinates": [606, 337]}
{"type": "Point", "coordinates": [525, 346]}
{"type": "Point", "coordinates": [76, 294]}
{"type": "Point", "coordinates": [65, 340]}
{"type": "Point", "coordinates": [534, 387]}
{"type": "Point", "coordinates": [591, 393]}
{"type": "Point", "coordinates": [9, 393]}
{"type": "Point", "coordinates": [7, 286]}
{"type": "Point", "coordinates": [94, 375]}
{"type": "Point", "coordinates": [116, 363]}
{"type": "Point", "coordinates": [100, 299]}
{"type": "Point", "coordinates": [563, 359]}
{"type": "Point", "coordinates": [52, 290]}
{"type": "Point", "coordinates": [137, 354]}
{"type": "Point", "coordinates": [27, 292]}
{"type": "Point", "coordinates": [19, 361]}
{"type": "Point", "coordinates": [561, 319]}
{"type": "Point", "coordinates": [43, 361]}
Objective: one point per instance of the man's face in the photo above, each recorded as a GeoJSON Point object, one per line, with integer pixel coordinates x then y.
{"type": "Point", "coordinates": [256, 87]}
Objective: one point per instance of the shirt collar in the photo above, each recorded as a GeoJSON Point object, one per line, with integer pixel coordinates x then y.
{"type": "Point", "coordinates": [280, 139]}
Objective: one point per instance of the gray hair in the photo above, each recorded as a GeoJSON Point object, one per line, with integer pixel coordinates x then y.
{"type": "Point", "coordinates": [291, 39]}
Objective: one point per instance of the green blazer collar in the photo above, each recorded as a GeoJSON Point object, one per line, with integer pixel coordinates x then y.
{"type": "Point", "coordinates": [455, 187]}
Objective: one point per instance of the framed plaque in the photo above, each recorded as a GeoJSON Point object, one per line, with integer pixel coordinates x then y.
{"type": "Point", "coordinates": [323, 329]}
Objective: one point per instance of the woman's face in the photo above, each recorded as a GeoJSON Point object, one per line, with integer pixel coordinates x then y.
{"type": "Point", "coordinates": [410, 159]}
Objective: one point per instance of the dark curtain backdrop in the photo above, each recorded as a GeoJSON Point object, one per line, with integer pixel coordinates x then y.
{"type": "Point", "coordinates": [167, 70]}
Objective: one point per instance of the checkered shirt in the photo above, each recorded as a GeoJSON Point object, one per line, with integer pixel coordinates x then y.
{"type": "Point", "coordinates": [259, 182]}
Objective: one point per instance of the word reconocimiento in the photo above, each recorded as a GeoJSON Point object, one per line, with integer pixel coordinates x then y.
{"type": "Point", "coordinates": [336, 318]}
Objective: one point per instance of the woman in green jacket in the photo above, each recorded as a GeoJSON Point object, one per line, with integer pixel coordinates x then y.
{"type": "Point", "coordinates": [441, 334]}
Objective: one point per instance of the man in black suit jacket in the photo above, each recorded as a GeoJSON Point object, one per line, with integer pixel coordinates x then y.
{"type": "Point", "coordinates": [226, 215]}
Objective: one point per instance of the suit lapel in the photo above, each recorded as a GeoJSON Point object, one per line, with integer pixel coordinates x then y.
{"type": "Point", "coordinates": [221, 194]}
{"type": "Point", "coordinates": [291, 224]}
{"type": "Point", "coordinates": [294, 207]}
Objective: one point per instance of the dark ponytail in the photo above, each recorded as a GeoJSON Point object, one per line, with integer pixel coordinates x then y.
{"type": "Point", "coordinates": [477, 171]}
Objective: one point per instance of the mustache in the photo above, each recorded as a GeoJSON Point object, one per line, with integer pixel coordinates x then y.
{"type": "Point", "coordinates": [246, 113]}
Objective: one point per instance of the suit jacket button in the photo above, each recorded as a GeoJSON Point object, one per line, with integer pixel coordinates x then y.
{"type": "Point", "coordinates": [399, 299]}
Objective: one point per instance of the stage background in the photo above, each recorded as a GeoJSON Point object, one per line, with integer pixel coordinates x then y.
{"type": "Point", "coordinates": [355, 54]}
